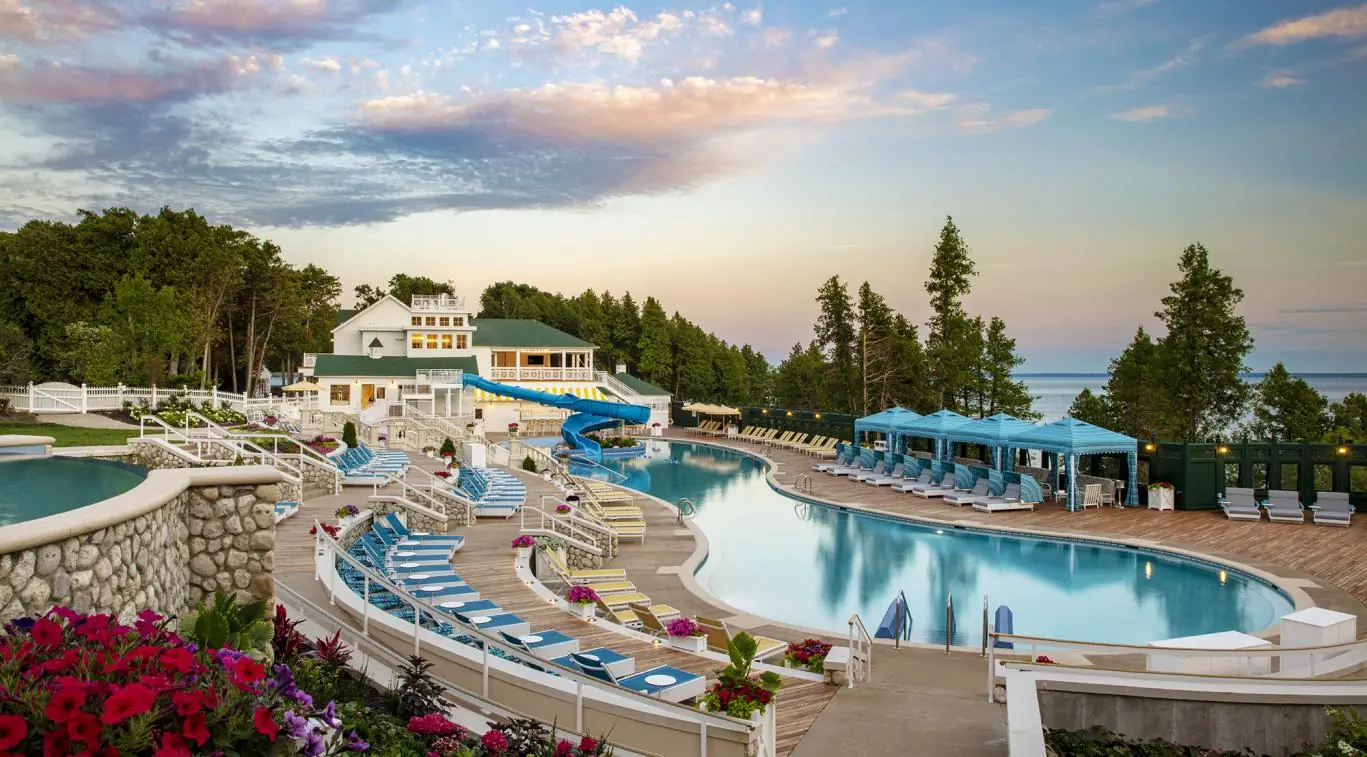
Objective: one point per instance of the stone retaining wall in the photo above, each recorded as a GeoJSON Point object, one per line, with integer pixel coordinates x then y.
{"type": "Point", "coordinates": [458, 512]}
{"type": "Point", "coordinates": [323, 478]}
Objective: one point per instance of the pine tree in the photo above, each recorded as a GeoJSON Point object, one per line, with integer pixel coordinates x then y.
{"type": "Point", "coordinates": [626, 331]}
{"type": "Point", "coordinates": [1288, 408]}
{"type": "Point", "coordinates": [1000, 359]}
{"type": "Point", "coordinates": [761, 384]}
{"type": "Point", "coordinates": [1092, 408]}
{"type": "Point", "coordinates": [733, 376]}
{"type": "Point", "coordinates": [972, 398]}
{"type": "Point", "coordinates": [1349, 420]}
{"type": "Point", "coordinates": [1134, 394]}
{"type": "Point", "coordinates": [591, 326]}
{"type": "Point", "coordinates": [908, 386]}
{"type": "Point", "coordinates": [835, 333]}
{"type": "Point", "coordinates": [656, 346]}
{"type": "Point", "coordinates": [694, 375]}
{"type": "Point", "coordinates": [876, 342]}
{"type": "Point", "coordinates": [950, 340]}
{"type": "Point", "coordinates": [800, 380]}
{"type": "Point", "coordinates": [1202, 355]}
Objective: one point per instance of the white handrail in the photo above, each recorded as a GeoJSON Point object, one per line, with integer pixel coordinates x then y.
{"type": "Point", "coordinates": [861, 652]}
{"type": "Point", "coordinates": [569, 521]}
{"type": "Point", "coordinates": [405, 487]}
{"type": "Point", "coordinates": [629, 395]}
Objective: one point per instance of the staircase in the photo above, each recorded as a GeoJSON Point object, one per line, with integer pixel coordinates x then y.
{"type": "Point", "coordinates": [624, 393]}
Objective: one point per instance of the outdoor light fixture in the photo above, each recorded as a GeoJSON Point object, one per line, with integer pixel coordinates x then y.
{"type": "Point", "coordinates": [1148, 570]}
{"type": "Point", "coordinates": [817, 416]}
{"type": "Point", "coordinates": [1150, 447]}
{"type": "Point", "coordinates": [1222, 450]}
{"type": "Point", "coordinates": [1343, 449]}
{"type": "Point", "coordinates": [790, 413]}
{"type": "Point", "coordinates": [764, 410]}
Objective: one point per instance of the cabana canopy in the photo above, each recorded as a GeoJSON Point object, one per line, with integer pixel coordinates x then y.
{"type": "Point", "coordinates": [934, 426]}
{"type": "Point", "coordinates": [886, 421]}
{"type": "Point", "coordinates": [999, 432]}
{"type": "Point", "coordinates": [1072, 438]}
{"type": "Point", "coordinates": [302, 386]}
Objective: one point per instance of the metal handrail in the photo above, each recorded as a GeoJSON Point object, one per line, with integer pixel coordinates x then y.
{"type": "Point", "coordinates": [687, 509]}
{"type": "Point", "coordinates": [803, 478]}
{"type": "Point", "coordinates": [949, 621]}
{"type": "Point", "coordinates": [582, 543]}
{"type": "Point", "coordinates": [328, 547]}
{"type": "Point", "coordinates": [238, 448]}
{"type": "Point", "coordinates": [860, 641]}
{"type": "Point", "coordinates": [589, 523]}
{"type": "Point", "coordinates": [405, 487]}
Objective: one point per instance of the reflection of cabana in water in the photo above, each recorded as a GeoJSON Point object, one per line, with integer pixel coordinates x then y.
{"type": "Point", "coordinates": [1071, 439]}
{"type": "Point", "coordinates": [885, 423]}
{"type": "Point", "coordinates": [998, 432]}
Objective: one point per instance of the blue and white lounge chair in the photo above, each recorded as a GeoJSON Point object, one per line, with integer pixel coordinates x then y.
{"type": "Point", "coordinates": [976, 494]}
{"type": "Point", "coordinates": [666, 681]}
{"type": "Point", "coordinates": [907, 485]}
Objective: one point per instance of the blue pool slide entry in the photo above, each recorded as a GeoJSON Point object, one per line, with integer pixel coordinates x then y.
{"type": "Point", "coordinates": [896, 621]}
{"type": "Point", "coordinates": [589, 415]}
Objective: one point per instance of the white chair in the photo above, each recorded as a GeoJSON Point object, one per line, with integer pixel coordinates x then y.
{"type": "Point", "coordinates": [1091, 496]}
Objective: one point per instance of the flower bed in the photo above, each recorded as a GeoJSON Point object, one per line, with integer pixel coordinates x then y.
{"type": "Point", "coordinates": [736, 692]}
{"type": "Point", "coordinates": [810, 654]}
{"type": "Point", "coordinates": [348, 511]}
{"type": "Point", "coordinates": [323, 444]}
{"type": "Point", "coordinates": [524, 542]}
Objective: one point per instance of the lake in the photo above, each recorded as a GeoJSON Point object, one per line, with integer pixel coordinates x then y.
{"type": "Point", "coordinates": [1054, 392]}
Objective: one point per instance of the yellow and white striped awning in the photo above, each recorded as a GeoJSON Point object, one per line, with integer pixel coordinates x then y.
{"type": "Point", "coordinates": [582, 392]}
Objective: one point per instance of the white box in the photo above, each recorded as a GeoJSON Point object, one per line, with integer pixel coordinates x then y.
{"type": "Point", "coordinates": [1215, 666]}
{"type": "Point", "coordinates": [1315, 627]}
{"type": "Point", "coordinates": [474, 455]}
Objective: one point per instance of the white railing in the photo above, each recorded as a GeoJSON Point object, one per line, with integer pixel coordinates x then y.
{"type": "Point", "coordinates": [585, 529]}
{"type": "Point", "coordinates": [306, 455]}
{"type": "Point", "coordinates": [541, 374]}
{"type": "Point", "coordinates": [860, 665]}
{"type": "Point", "coordinates": [429, 376]}
{"type": "Point", "coordinates": [329, 553]}
{"type": "Point", "coordinates": [432, 303]}
{"type": "Point", "coordinates": [84, 399]}
{"type": "Point", "coordinates": [425, 498]}
{"type": "Point", "coordinates": [617, 387]}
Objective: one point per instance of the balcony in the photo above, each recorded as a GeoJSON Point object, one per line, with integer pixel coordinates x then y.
{"type": "Point", "coordinates": [542, 374]}
{"type": "Point", "coordinates": [307, 364]}
{"type": "Point", "coordinates": [430, 376]}
{"type": "Point", "coordinates": [438, 303]}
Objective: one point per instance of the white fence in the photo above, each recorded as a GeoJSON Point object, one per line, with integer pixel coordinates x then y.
{"type": "Point", "coordinates": [65, 398]}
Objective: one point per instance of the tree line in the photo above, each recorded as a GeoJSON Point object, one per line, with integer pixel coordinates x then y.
{"type": "Point", "coordinates": [165, 299]}
{"type": "Point", "coordinates": [865, 357]}
{"type": "Point", "coordinates": [1187, 385]}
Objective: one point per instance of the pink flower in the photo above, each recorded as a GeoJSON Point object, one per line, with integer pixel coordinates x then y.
{"type": "Point", "coordinates": [495, 742]}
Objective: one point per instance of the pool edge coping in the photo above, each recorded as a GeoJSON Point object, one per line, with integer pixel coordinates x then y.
{"type": "Point", "coordinates": [686, 571]}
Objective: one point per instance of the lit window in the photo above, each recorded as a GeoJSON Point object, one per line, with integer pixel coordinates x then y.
{"type": "Point", "coordinates": [417, 341]}
{"type": "Point", "coordinates": [446, 341]}
{"type": "Point", "coordinates": [462, 341]}
{"type": "Point", "coordinates": [417, 320]}
{"type": "Point", "coordinates": [459, 320]}
{"type": "Point", "coordinates": [445, 320]}
{"type": "Point", "coordinates": [431, 341]}
{"type": "Point", "coordinates": [535, 359]}
{"type": "Point", "coordinates": [340, 394]}
{"type": "Point", "coordinates": [431, 320]}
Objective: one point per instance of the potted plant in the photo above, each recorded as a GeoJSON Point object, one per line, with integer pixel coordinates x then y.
{"type": "Point", "coordinates": [686, 635]}
{"type": "Point", "coordinates": [523, 544]}
{"type": "Point", "coordinates": [430, 451]}
{"type": "Point", "coordinates": [656, 429]}
{"type": "Point", "coordinates": [1161, 495]}
{"type": "Point", "coordinates": [809, 654]}
{"type": "Point", "coordinates": [582, 600]}
{"type": "Point", "coordinates": [736, 692]}
{"type": "Point", "coordinates": [563, 509]}
{"type": "Point", "coordinates": [442, 474]}
{"type": "Point", "coordinates": [346, 514]}
{"type": "Point", "coordinates": [512, 429]}
{"type": "Point", "coordinates": [448, 450]}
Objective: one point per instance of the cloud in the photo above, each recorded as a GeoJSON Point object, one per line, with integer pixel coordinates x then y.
{"type": "Point", "coordinates": [1187, 57]}
{"type": "Point", "coordinates": [775, 37]}
{"type": "Point", "coordinates": [926, 100]}
{"type": "Point", "coordinates": [974, 119]}
{"type": "Point", "coordinates": [1281, 80]}
{"type": "Point", "coordinates": [59, 21]}
{"type": "Point", "coordinates": [1345, 22]}
{"type": "Point", "coordinates": [49, 82]}
{"type": "Point", "coordinates": [837, 12]}
{"type": "Point", "coordinates": [618, 33]}
{"type": "Point", "coordinates": [324, 66]}
{"type": "Point", "coordinates": [827, 40]}
{"type": "Point", "coordinates": [1352, 307]}
{"type": "Point", "coordinates": [1150, 113]}
{"type": "Point", "coordinates": [754, 16]}
{"type": "Point", "coordinates": [278, 24]}
{"type": "Point", "coordinates": [1116, 7]}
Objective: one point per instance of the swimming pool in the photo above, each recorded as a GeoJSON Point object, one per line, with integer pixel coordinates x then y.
{"type": "Point", "coordinates": [37, 487]}
{"type": "Point", "coordinates": [814, 566]}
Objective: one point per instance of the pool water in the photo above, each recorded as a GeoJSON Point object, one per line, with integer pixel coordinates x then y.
{"type": "Point", "coordinates": [814, 566]}
{"type": "Point", "coordinates": [32, 488]}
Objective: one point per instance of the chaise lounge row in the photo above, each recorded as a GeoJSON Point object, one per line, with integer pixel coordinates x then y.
{"type": "Point", "coordinates": [1282, 506]}
{"type": "Point", "coordinates": [892, 473]}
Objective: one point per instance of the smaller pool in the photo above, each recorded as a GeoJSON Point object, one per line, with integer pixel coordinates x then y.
{"type": "Point", "coordinates": [36, 487]}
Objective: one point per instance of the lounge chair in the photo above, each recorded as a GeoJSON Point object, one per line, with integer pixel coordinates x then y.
{"type": "Point", "coordinates": [780, 439]}
{"type": "Point", "coordinates": [795, 441]}
{"type": "Point", "coordinates": [666, 681]}
{"type": "Point", "coordinates": [946, 486]}
{"type": "Point", "coordinates": [1333, 509]}
{"type": "Point", "coordinates": [719, 638]}
{"type": "Point", "coordinates": [908, 484]}
{"type": "Point", "coordinates": [813, 444]}
{"type": "Point", "coordinates": [654, 624]}
{"type": "Point", "coordinates": [1009, 500]}
{"type": "Point", "coordinates": [620, 611]}
{"type": "Point", "coordinates": [855, 467]}
{"type": "Point", "coordinates": [895, 476]}
{"type": "Point", "coordinates": [543, 644]}
{"type": "Point", "coordinates": [843, 457]}
{"type": "Point", "coordinates": [976, 494]}
{"type": "Point", "coordinates": [1239, 504]}
{"type": "Point", "coordinates": [590, 576]}
{"type": "Point", "coordinates": [1284, 506]}
{"type": "Point", "coordinates": [880, 470]}
{"type": "Point", "coordinates": [392, 521]}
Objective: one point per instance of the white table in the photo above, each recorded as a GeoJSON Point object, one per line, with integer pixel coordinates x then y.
{"type": "Point", "coordinates": [1225, 665]}
{"type": "Point", "coordinates": [1315, 627]}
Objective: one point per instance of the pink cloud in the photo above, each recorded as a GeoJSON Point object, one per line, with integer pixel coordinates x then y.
{"type": "Point", "coordinates": [47, 82]}
{"type": "Point", "coordinates": [57, 21]}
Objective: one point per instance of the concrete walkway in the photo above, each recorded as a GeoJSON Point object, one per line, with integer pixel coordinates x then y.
{"type": "Point", "coordinates": [82, 420]}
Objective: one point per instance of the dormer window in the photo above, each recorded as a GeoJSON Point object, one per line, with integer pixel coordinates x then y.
{"type": "Point", "coordinates": [376, 348]}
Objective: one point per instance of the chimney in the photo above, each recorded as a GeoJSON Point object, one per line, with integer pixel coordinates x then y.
{"type": "Point", "coordinates": [621, 367]}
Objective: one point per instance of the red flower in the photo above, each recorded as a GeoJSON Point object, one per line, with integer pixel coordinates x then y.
{"type": "Point", "coordinates": [46, 633]}
{"type": "Point", "coordinates": [133, 699]}
{"type": "Point", "coordinates": [85, 728]}
{"type": "Point", "coordinates": [13, 729]}
{"type": "Point", "coordinates": [265, 723]}
{"type": "Point", "coordinates": [587, 744]}
{"type": "Point", "coordinates": [56, 743]}
{"type": "Point", "coordinates": [564, 747]}
{"type": "Point", "coordinates": [187, 702]}
{"type": "Point", "coordinates": [172, 745]}
{"type": "Point", "coordinates": [247, 671]}
{"type": "Point", "coordinates": [178, 659]}
{"type": "Point", "coordinates": [64, 705]}
{"type": "Point", "coordinates": [195, 729]}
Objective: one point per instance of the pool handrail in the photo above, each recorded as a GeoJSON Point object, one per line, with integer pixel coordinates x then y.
{"type": "Point", "coordinates": [861, 652]}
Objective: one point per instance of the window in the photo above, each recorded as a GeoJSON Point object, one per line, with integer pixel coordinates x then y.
{"type": "Point", "coordinates": [431, 341]}
{"type": "Point", "coordinates": [462, 341]}
{"type": "Point", "coordinates": [1290, 477]}
{"type": "Point", "coordinates": [1260, 476]}
{"type": "Point", "coordinates": [416, 343]}
{"type": "Point", "coordinates": [417, 320]}
{"type": "Point", "coordinates": [340, 394]}
{"type": "Point", "coordinates": [379, 392]}
{"type": "Point", "coordinates": [479, 413]}
{"type": "Point", "coordinates": [536, 359]}
{"type": "Point", "coordinates": [1231, 474]}
{"type": "Point", "coordinates": [431, 320]}
{"type": "Point", "coordinates": [1324, 477]}
{"type": "Point", "coordinates": [444, 320]}
{"type": "Point", "coordinates": [458, 320]}
{"type": "Point", "coordinates": [445, 341]}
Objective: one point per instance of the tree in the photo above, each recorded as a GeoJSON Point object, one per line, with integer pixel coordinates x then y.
{"type": "Point", "coordinates": [733, 376]}
{"type": "Point", "coordinates": [15, 350]}
{"type": "Point", "coordinates": [1288, 408]}
{"type": "Point", "coordinates": [876, 350]}
{"type": "Point", "coordinates": [1003, 393]}
{"type": "Point", "coordinates": [1092, 408]}
{"type": "Point", "coordinates": [835, 333]}
{"type": "Point", "coordinates": [92, 354]}
{"type": "Point", "coordinates": [908, 385]}
{"type": "Point", "coordinates": [950, 338]}
{"type": "Point", "coordinates": [1202, 355]}
{"type": "Point", "coordinates": [761, 377]}
{"type": "Point", "coordinates": [800, 381]}
{"type": "Point", "coordinates": [694, 375]}
{"type": "Point", "coordinates": [656, 346]}
{"type": "Point", "coordinates": [1134, 391]}
{"type": "Point", "coordinates": [367, 295]}
{"type": "Point", "coordinates": [403, 287]}
{"type": "Point", "coordinates": [624, 325]}
{"type": "Point", "coordinates": [1349, 420]}
{"type": "Point", "coordinates": [146, 321]}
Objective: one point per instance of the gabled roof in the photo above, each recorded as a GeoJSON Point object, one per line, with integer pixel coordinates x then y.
{"type": "Point", "coordinates": [376, 342]}
{"type": "Point", "coordinates": [997, 430]}
{"type": "Point", "coordinates": [345, 315]}
{"type": "Point", "coordinates": [885, 421]}
{"type": "Point", "coordinates": [522, 332]}
{"type": "Point", "coordinates": [641, 386]}
{"type": "Point", "coordinates": [390, 366]}
{"type": "Point", "coordinates": [934, 426]}
{"type": "Point", "coordinates": [1074, 437]}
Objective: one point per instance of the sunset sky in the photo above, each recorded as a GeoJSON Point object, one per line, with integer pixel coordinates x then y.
{"type": "Point", "coordinates": [728, 158]}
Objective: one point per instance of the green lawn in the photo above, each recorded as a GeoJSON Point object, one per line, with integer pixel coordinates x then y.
{"type": "Point", "coordinates": [67, 436]}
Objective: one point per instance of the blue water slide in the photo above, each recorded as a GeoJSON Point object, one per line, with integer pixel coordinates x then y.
{"type": "Point", "coordinates": [589, 415]}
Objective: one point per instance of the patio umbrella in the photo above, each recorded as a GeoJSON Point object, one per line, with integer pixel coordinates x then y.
{"type": "Point", "coordinates": [302, 386]}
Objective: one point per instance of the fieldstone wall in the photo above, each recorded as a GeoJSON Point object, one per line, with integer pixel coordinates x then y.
{"type": "Point", "coordinates": [151, 455]}
{"type": "Point", "coordinates": [458, 512]}
{"type": "Point", "coordinates": [317, 476]}
{"type": "Point", "coordinates": [170, 559]}
{"type": "Point", "coordinates": [606, 543]}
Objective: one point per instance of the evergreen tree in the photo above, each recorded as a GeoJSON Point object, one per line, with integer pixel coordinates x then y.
{"type": "Point", "coordinates": [591, 326]}
{"type": "Point", "coordinates": [1003, 393]}
{"type": "Point", "coordinates": [1134, 393]}
{"type": "Point", "coordinates": [876, 349]}
{"type": "Point", "coordinates": [800, 380]}
{"type": "Point", "coordinates": [1092, 408]}
{"type": "Point", "coordinates": [15, 350]}
{"type": "Point", "coordinates": [733, 376]}
{"type": "Point", "coordinates": [908, 385]}
{"type": "Point", "coordinates": [1288, 408]}
{"type": "Point", "coordinates": [761, 383]}
{"type": "Point", "coordinates": [1202, 355]}
{"type": "Point", "coordinates": [145, 320]}
{"type": "Point", "coordinates": [656, 346]}
{"type": "Point", "coordinates": [1349, 419]}
{"type": "Point", "coordinates": [835, 333]}
{"type": "Point", "coordinates": [625, 325]}
{"type": "Point", "coordinates": [951, 341]}
{"type": "Point", "coordinates": [694, 375]}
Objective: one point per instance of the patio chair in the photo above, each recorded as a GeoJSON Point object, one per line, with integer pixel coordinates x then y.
{"type": "Point", "coordinates": [653, 624]}
{"type": "Point", "coordinates": [1284, 506]}
{"type": "Point", "coordinates": [1091, 496]}
{"type": "Point", "coordinates": [946, 486]}
{"type": "Point", "coordinates": [1239, 504]}
{"type": "Point", "coordinates": [894, 476]}
{"type": "Point", "coordinates": [879, 470]}
{"type": "Point", "coordinates": [976, 494]}
{"type": "Point", "coordinates": [909, 484]}
{"type": "Point", "coordinates": [665, 681]}
{"type": "Point", "coordinates": [1333, 509]}
{"type": "Point", "coordinates": [719, 638]}
{"type": "Point", "coordinates": [1009, 500]}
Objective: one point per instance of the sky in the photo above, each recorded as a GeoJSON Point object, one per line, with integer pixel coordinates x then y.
{"type": "Point", "coordinates": [728, 158]}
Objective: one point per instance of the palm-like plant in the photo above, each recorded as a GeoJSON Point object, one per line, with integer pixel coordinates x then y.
{"type": "Point", "coordinates": [225, 623]}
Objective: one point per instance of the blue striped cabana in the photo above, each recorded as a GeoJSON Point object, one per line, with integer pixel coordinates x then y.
{"type": "Point", "coordinates": [885, 422]}
{"type": "Point", "coordinates": [998, 432]}
{"type": "Point", "coordinates": [935, 426]}
{"type": "Point", "coordinates": [1071, 438]}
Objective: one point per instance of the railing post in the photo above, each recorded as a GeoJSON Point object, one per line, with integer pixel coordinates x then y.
{"type": "Point", "coordinates": [417, 630]}
{"type": "Point", "coordinates": [85, 398]}
{"type": "Point", "coordinates": [31, 397]}
{"type": "Point", "coordinates": [702, 732]}
{"type": "Point", "coordinates": [949, 621]}
{"type": "Point", "coordinates": [984, 650]}
{"type": "Point", "coordinates": [154, 396]}
{"type": "Point", "coordinates": [579, 706]}
{"type": "Point", "coordinates": [485, 670]}
{"type": "Point", "coordinates": [991, 670]}
{"type": "Point", "coordinates": [365, 608]}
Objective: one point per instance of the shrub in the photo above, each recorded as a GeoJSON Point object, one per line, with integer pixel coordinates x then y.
{"type": "Point", "coordinates": [736, 693]}
{"type": "Point", "coordinates": [529, 464]}
{"type": "Point", "coordinates": [418, 692]}
{"type": "Point", "coordinates": [448, 448]}
{"type": "Point", "coordinates": [225, 623]}
{"type": "Point", "coordinates": [809, 654]}
{"type": "Point", "coordinates": [523, 542]}
{"type": "Point", "coordinates": [349, 435]}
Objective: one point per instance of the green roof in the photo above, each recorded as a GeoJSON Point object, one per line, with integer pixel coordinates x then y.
{"type": "Point", "coordinates": [641, 386]}
{"type": "Point", "coordinates": [389, 367]}
{"type": "Point", "coordinates": [345, 315]}
{"type": "Point", "coordinates": [522, 332]}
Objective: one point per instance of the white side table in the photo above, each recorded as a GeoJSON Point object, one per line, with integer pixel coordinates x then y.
{"type": "Point", "coordinates": [1315, 627]}
{"type": "Point", "coordinates": [1160, 498]}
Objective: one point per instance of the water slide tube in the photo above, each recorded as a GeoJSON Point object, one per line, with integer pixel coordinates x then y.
{"type": "Point", "coordinates": [589, 415]}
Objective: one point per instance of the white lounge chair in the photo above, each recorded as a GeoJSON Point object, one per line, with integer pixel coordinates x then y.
{"type": "Point", "coordinates": [1333, 509]}
{"type": "Point", "coordinates": [843, 458]}
{"type": "Point", "coordinates": [1284, 507]}
{"type": "Point", "coordinates": [908, 484]}
{"type": "Point", "coordinates": [946, 486]}
{"type": "Point", "coordinates": [897, 476]}
{"type": "Point", "coordinates": [977, 493]}
{"type": "Point", "coordinates": [1239, 504]}
{"type": "Point", "coordinates": [1009, 500]}
{"type": "Point", "coordinates": [1091, 496]}
{"type": "Point", "coordinates": [880, 470]}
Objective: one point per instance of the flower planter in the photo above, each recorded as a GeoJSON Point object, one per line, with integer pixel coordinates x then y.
{"type": "Point", "coordinates": [694, 644]}
{"type": "Point", "coordinates": [583, 611]}
{"type": "Point", "coordinates": [343, 523]}
{"type": "Point", "coordinates": [1160, 498]}
{"type": "Point", "coordinates": [524, 555]}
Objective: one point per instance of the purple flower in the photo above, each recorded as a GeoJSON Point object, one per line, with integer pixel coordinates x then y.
{"type": "Point", "coordinates": [330, 715]}
{"type": "Point", "coordinates": [302, 698]}
{"type": "Point", "coordinates": [313, 745]}
{"type": "Point", "coordinates": [354, 743]}
{"type": "Point", "coordinates": [296, 726]}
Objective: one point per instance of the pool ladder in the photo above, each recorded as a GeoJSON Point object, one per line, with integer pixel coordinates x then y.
{"type": "Point", "coordinates": [803, 483]}
{"type": "Point", "coordinates": [686, 509]}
